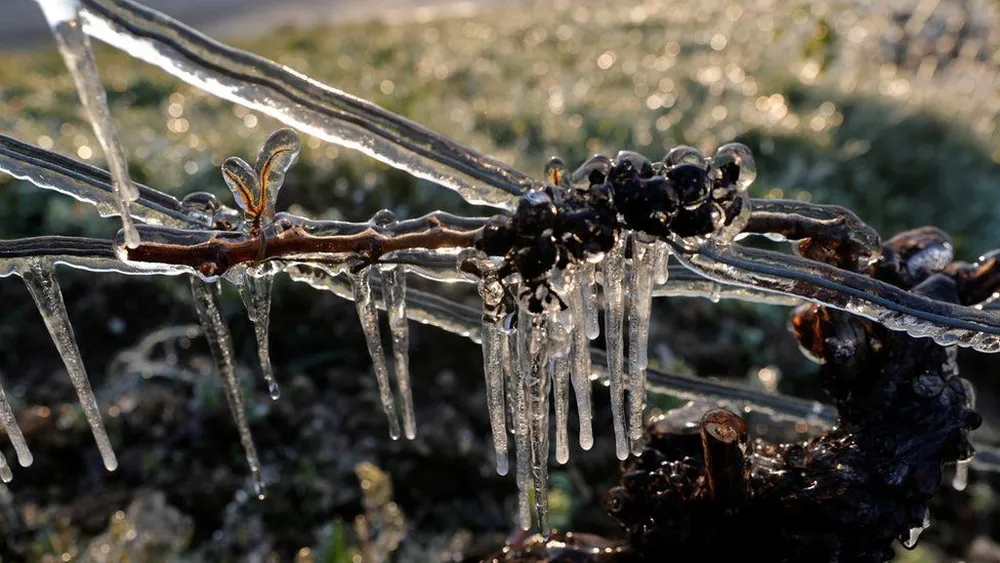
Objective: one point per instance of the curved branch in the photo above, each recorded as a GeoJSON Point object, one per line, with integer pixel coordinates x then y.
{"type": "Point", "coordinates": [303, 103]}
{"type": "Point", "coordinates": [89, 184]}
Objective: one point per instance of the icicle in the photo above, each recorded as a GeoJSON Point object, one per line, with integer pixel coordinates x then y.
{"type": "Point", "coordinates": [9, 423]}
{"type": "Point", "coordinates": [591, 319]}
{"type": "Point", "coordinates": [640, 301]}
{"type": "Point", "coordinates": [559, 368]}
{"type": "Point", "coordinates": [6, 475]}
{"type": "Point", "coordinates": [74, 46]}
{"type": "Point", "coordinates": [368, 315]}
{"type": "Point", "coordinates": [394, 296]}
{"type": "Point", "coordinates": [661, 262]}
{"type": "Point", "coordinates": [961, 479]}
{"type": "Point", "coordinates": [580, 363]}
{"type": "Point", "coordinates": [614, 316]}
{"type": "Point", "coordinates": [493, 337]}
{"type": "Point", "coordinates": [256, 294]}
{"type": "Point", "coordinates": [535, 379]}
{"type": "Point", "coordinates": [44, 288]}
{"type": "Point", "coordinates": [207, 300]}
{"type": "Point", "coordinates": [517, 352]}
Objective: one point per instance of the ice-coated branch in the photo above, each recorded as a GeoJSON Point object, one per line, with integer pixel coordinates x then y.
{"type": "Point", "coordinates": [301, 102]}
{"type": "Point", "coordinates": [89, 184]}
{"type": "Point", "coordinates": [213, 252]}
{"type": "Point", "coordinates": [895, 308]}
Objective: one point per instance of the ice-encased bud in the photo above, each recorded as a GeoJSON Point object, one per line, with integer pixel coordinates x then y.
{"type": "Point", "coordinates": [594, 171]}
{"type": "Point", "coordinates": [739, 155]}
{"type": "Point", "coordinates": [556, 172]}
{"type": "Point", "coordinates": [639, 163]}
{"type": "Point", "coordinates": [682, 154]}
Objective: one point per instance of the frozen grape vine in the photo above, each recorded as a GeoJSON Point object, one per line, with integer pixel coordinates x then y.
{"type": "Point", "coordinates": [612, 224]}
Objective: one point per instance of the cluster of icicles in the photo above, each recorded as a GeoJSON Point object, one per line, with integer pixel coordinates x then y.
{"type": "Point", "coordinates": [530, 357]}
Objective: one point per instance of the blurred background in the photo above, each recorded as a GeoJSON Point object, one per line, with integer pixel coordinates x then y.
{"type": "Point", "coordinates": [888, 108]}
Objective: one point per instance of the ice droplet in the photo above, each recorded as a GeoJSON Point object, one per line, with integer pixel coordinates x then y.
{"type": "Point", "coordinates": [44, 288]}
{"type": "Point", "coordinates": [394, 297]}
{"type": "Point", "coordinates": [74, 46]}
{"type": "Point", "coordinates": [256, 294]}
{"type": "Point", "coordinates": [368, 315]}
{"type": "Point", "coordinates": [613, 270]}
{"type": "Point", "coordinates": [207, 301]}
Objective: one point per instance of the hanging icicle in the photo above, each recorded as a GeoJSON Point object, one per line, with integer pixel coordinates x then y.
{"type": "Point", "coordinates": [590, 313]}
{"type": "Point", "coordinates": [518, 352]}
{"type": "Point", "coordinates": [394, 297]}
{"type": "Point", "coordinates": [256, 294]}
{"type": "Point", "coordinates": [613, 270]}
{"type": "Point", "coordinates": [9, 423]}
{"type": "Point", "coordinates": [494, 337]}
{"type": "Point", "coordinates": [640, 301]}
{"type": "Point", "coordinates": [207, 299]}
{"type": "Point", "coordinates": [559, 366]}
{"type": "Point", "coordinates": [41, 282]}
{"type": "Point", "coordinates": [64, 19]}
{"type": "Point", "coordinates": [535, 379]}
{"type": "Point", "coordinates": [580, 361]}
{"type": "Point", "coordinates": [368, 315]}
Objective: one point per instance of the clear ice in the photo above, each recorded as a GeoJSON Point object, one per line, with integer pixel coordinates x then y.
{"type": "Point", "coordinates": [580, 362]}
{"type": "Point", "coordinates": [517, 351]}
{"type": "Point", "coordinates": [304, 103]}
{"type": "Point", "coordinates": [640, 301]}
{"type": "Point", "coordinates": [494, 340]}
{"type": "Point", "coordinates": [589, 312]}
{"type": "Point", "coordinates": [9, 423]}
{"type": "Point", "coordinates": [613, 270]}
{"type": "Point", "coordinates": [533, 349]}
{"type": "Point", "coordinates": [74, 46]}
{"type": "Point", "coordinates": [368, 315]}
{"type": "Point", "coordinates": [394, 297]}
{"type": "Point", "coordinates": [207, 299]}
{"type": "Point", "coordinates": [41, 282]}
{"type": "Point", "coordinates": [256, 294]}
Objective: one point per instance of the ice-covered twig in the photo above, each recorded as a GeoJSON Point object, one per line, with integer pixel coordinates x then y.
{"type": "Point", "coordinates": [52, 171]}
{"type": "Point", "coordinates": [841, 289]}
{"type": "Point", "coordinates": [301, 102]}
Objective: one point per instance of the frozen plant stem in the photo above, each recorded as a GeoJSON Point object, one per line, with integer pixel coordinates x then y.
{"type": "Point", "coordinates": [74, 46]}
{"type": "Point", "coordinates": [256, 294]}
{"type": "Point", "coordinates": [394, 297]}
{"type": "Point", "coordinates": [207, 301]}
{"type": "Point", "coordinates": [368, 315]}
{"type": "Point", "coordinates": [44, 288]}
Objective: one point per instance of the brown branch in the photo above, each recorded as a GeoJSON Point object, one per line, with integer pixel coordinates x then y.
{"type": "Point", "coordinates": [220, 250]}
